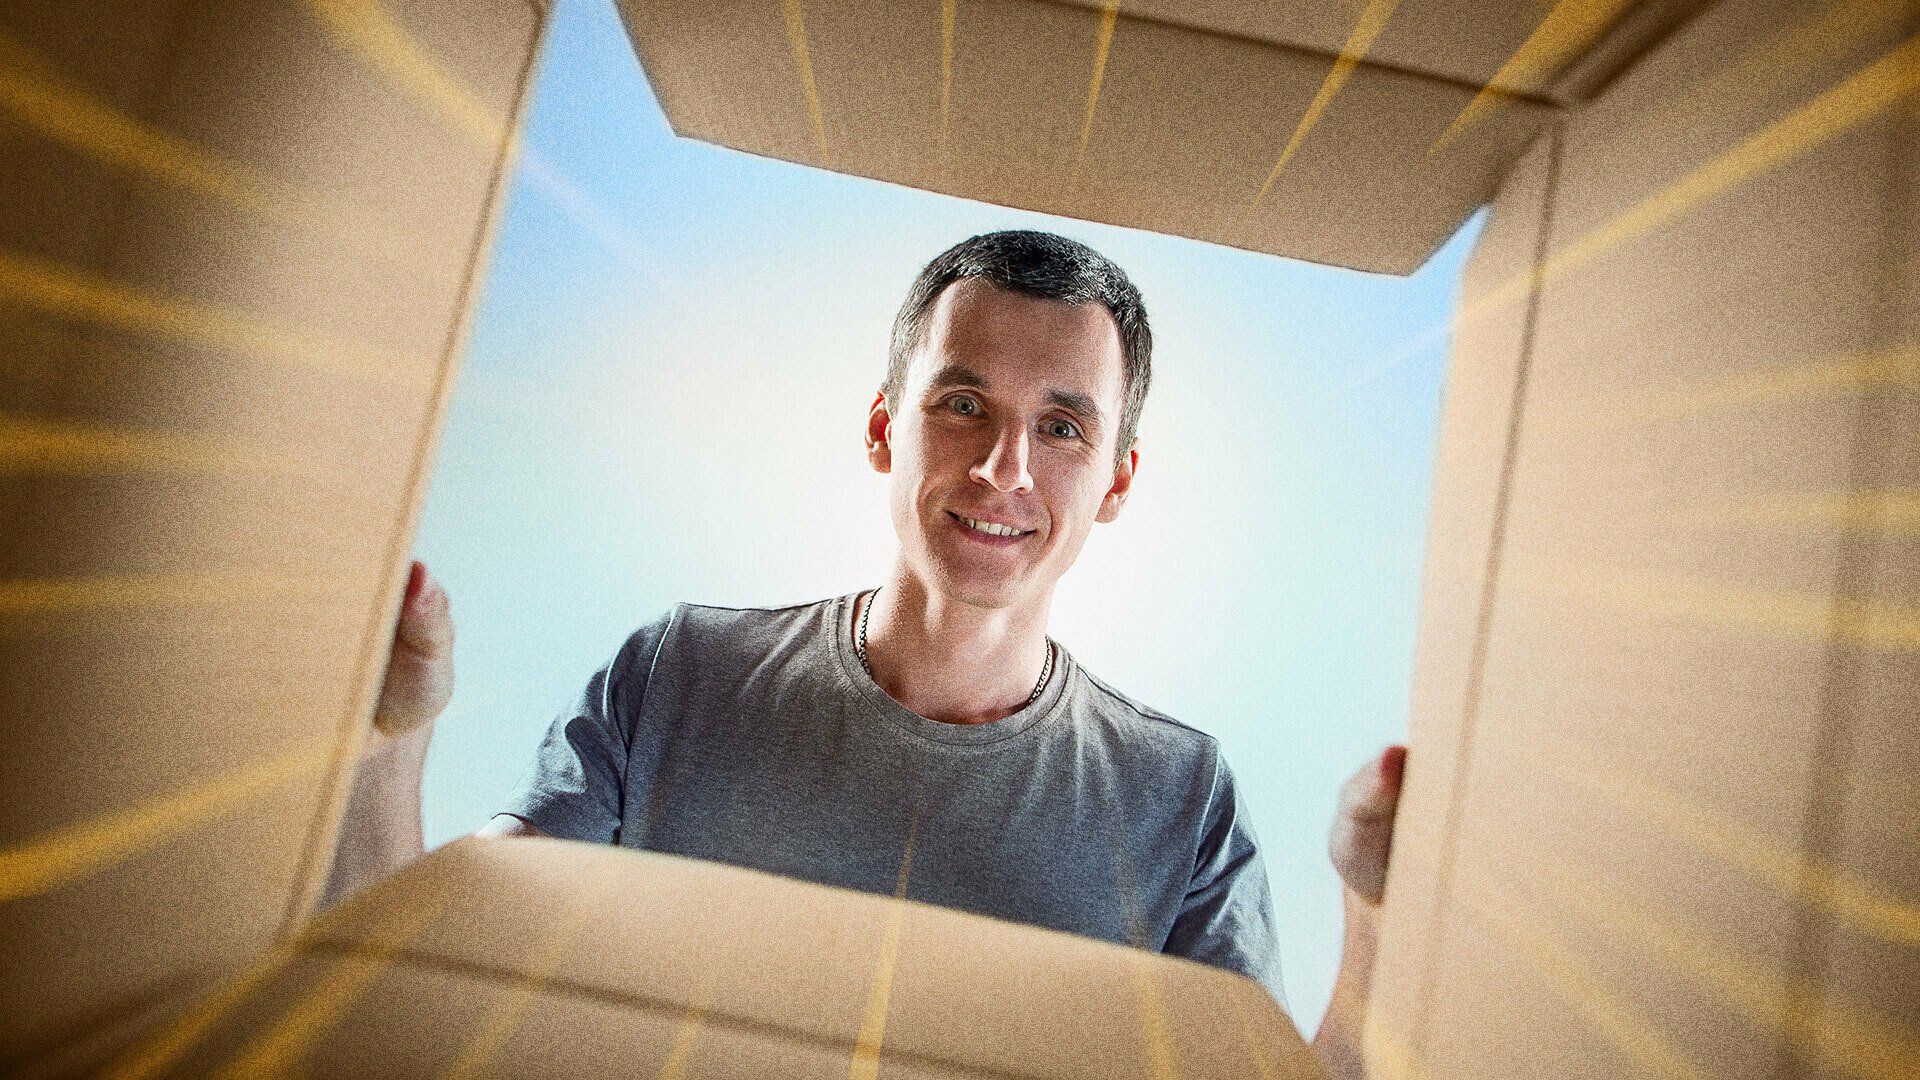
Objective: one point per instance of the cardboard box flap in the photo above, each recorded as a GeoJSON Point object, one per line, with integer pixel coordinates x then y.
{"type": "Point", "coordinates": [244, 254]}
{"type": "Point", "coordinates": [1521, 48]}
{"type": "Point", "coordinates": [1182, 129]}
{"type": "Point", "coordinates": [802, 965]}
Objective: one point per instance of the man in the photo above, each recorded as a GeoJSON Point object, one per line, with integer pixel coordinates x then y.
{"type": "Point", "coordinates": [820, 740]}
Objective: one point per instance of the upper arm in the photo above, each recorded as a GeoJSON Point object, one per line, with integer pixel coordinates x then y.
{"type": "Point", "coordinates": [578, 787]}
{"type": "Point", "coordinates": [1227, 917]}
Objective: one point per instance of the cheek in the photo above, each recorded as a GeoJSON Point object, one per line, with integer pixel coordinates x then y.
{"type": "Point", "coordinates": [904, 445]}
{"type": "Point", "coordinates": [1077, 491]}
{"type": "Point", "coordinates": [933, 451]}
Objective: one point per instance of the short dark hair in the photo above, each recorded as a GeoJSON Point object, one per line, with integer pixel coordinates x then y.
{"type": "Point", "coordinates": [1043, 265]}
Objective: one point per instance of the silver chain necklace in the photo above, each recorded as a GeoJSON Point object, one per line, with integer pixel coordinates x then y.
{"type": "Point", "coordinates": [860, 649]}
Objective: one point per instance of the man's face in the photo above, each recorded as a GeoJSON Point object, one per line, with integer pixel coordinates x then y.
{"type": "Point", "coordinates": [1009, 416]}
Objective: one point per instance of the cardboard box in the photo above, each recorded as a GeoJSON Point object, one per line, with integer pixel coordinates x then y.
{"type": "Point", "coordinates": [1659, 813]}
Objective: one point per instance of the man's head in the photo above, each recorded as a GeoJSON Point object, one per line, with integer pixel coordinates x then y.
{"type": "Point", "coordinates": [1046, 267]}
{"type": "Point", "coordinates": [1018, 366]}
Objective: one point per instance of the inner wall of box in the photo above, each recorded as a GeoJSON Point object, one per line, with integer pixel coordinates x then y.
{"type": "Point", "coordinates": [240, 248]}
{"type": "Point", "coordinates": [1663, 693]}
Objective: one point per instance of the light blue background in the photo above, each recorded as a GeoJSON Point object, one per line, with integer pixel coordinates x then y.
{"type": "Point", "coordinates": [663, 400]}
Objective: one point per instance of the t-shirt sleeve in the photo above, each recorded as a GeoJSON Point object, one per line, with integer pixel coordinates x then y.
{"type": "Point", "coordinates": [577, 789]}
{"type": "Point", "coordinates": [1227, 918]}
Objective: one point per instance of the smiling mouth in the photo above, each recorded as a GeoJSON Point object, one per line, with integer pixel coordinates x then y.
{"type": "Point", "coordinates": [984, 528]}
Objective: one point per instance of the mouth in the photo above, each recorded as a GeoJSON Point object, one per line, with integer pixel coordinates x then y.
{"type": "Point", "coordinates": [987, 532]}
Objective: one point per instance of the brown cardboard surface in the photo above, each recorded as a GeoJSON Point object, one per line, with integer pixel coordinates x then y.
{"type": "Point", "coordinates": [1476, 429]}
{"type": "Point", "coordinates": [1868, 944]}
{"type": "Point", "coordinates": [234, 297]}
{"type": "Point", "coordinates": [1469, 44]}
{"type": "Point", "coordinates": [1695, 663]}
{"type": "Point", "coordinates": [421, 1020]}
{"type": "Point", "coordinates": [1659, 816]}
{"type": "Point", "coordinates": [545, 950]}
{"type": "Point", "coordinates": [1186, 129]}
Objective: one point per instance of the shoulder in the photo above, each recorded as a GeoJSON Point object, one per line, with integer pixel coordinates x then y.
{"type": "Point", "coordinates": [714, 632]}
{"type": "Point", "coordinates": [1134, 727]}
{"type": "Point", "coordinates": [720, 620]}
{"type": "Point", "coordinates": [695, 649]}
{"type": "Point", "coordinates": [1177, 770]}
{"type": "Point", "coordinates": [706, 625]}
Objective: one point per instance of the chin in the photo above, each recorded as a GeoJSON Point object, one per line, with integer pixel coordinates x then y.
{"type": "Point", "coordinates": [985, 597]}
{"type": "Point", "coordinates": [946, 581]}
{"type": "Point", "coordinates": [953, 574]}
{"type": "Point", "coordinates": [974, 589]}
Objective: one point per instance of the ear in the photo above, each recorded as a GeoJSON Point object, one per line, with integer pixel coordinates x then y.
{"type": "Point", "coordinates": [1116, 496]}
{"type": "Point", "coordinates": [879, 431]}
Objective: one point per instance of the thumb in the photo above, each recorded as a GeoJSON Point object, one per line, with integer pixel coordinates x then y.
{"type": "Point", "coordinates": [419, 678]}
{"type": "Point", "coordinates": [1361, 842]}
{"type": "Point", "coordinates": [1373, 793]}
{"type": "Point", "coordinates": [426, 623]}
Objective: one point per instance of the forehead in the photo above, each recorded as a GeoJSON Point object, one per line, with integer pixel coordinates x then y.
{"type": "Point", "coordinates": [1015, 339]}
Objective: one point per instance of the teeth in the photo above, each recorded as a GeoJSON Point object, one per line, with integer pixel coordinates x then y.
{"type": "Point", "coordinates": [986, 527]}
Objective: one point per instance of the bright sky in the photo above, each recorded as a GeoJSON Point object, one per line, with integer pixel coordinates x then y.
{"type": "Point", "coordinates": [663, 398]}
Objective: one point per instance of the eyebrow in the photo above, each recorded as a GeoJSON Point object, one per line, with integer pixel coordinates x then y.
{"type": "Point", "coordinates": [951, 375]}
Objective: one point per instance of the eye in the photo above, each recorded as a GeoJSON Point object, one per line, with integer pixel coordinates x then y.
{"type": "Point", "coordinates": [964, 405]}
{"type": "Point", "coordinates": [1062, 429]}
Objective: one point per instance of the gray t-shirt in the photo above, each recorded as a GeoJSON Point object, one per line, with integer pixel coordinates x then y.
{"type": "Point", "coordinates": [753, 736]}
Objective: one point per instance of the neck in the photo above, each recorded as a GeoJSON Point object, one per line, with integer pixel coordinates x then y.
{"type": "Point", "coordinates": [949, 661]}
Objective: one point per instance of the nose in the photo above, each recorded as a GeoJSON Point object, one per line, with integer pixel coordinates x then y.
{"type": "Point", "coordinates": [1005, 466]}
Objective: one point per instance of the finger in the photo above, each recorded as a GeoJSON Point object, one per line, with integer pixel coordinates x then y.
{"type": "Point", "coordinates": [1393, 768]}
{"type": "Point", "coordinates": [416, 577]}
{"type": "Point", "coordinates": [426, 624]}
{"type": "Point", "coordinates": [1373, 792]}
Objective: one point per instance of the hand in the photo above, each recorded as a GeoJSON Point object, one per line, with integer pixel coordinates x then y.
{"type": "Point", "coordinates": [1362, 835]}
{"type": "Point", "coordinates": [419, 679]}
